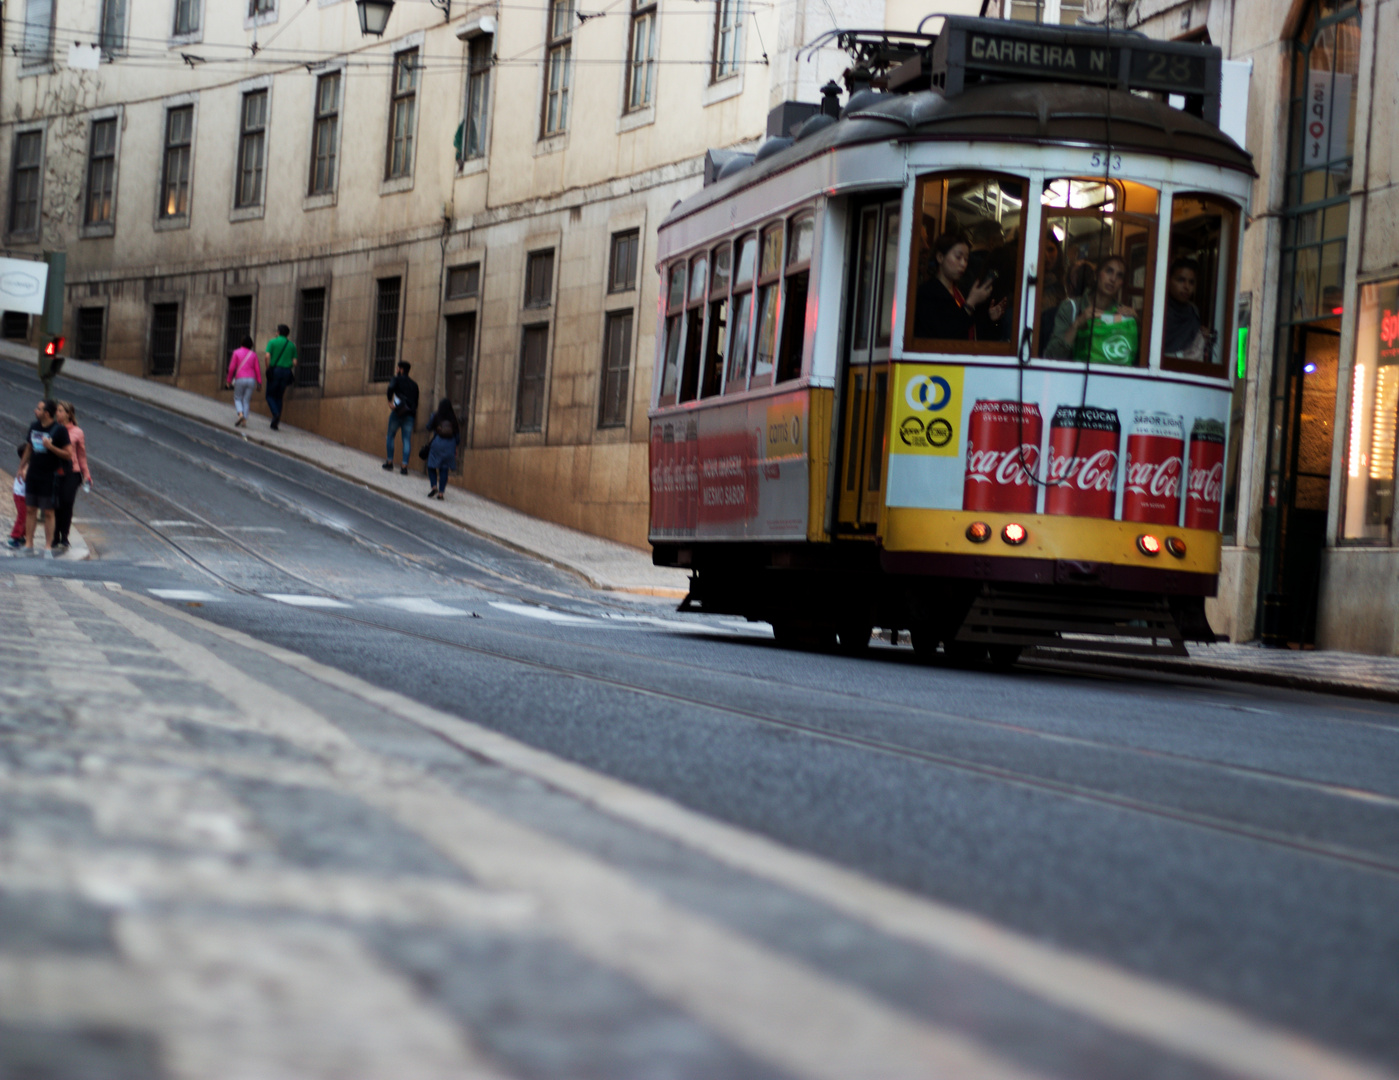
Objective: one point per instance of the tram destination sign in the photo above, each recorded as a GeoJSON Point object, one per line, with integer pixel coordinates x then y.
{"type": "Point", "coordinates": [971, 50]}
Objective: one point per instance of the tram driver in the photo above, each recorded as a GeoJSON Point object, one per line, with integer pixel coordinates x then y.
{"type": "Point", "coordinates": [1096, 326]}
{"type": "Point", "coordinates": [943, 311]}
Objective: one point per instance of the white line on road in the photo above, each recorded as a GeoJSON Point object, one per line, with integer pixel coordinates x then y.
{"type": "Point", "coordinates": [300, 600]}
{"type": "Point", "coordinates": [252, 528]}
{"type": "Point", "coordinates": [421, 605]}
{"type": "Point", "coordinates": [174, 523]}
{"type": "Point", "coordinates": [189, 595]}
{"type": "Point", "coordinates": [531, 611]}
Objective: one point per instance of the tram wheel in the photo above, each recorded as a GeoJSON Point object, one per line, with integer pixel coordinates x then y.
{"type": "Point", "coordinates": [800, 634]}
{"type": "Point", "coordinates": [1003, 657]}
{"type": "Point", "coordinates": [853, 639]}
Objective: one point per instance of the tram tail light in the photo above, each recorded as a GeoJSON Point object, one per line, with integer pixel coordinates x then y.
{"type": "Point", "coordinates": [978, 532]}
{"type": "Point", "coordinates": [1148, 545]}
{"type": "Point", "coordinates": [1175, 546]}
{"type": "Point", "coordinates": [1014, 534]}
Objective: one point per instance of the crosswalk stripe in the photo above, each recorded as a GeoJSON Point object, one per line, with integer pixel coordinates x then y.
{"type": "Point", "coordinates": [531, 611]}
{"type": "Point", "coordinates": [190, 595]}
{"type": "Point", "coordinates": [421, 605]}
{"type": "Point", "coordinates": [300, 600]}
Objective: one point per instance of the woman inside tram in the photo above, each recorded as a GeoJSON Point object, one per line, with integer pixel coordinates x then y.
{"type": "Point", "coordinates": [1052, 290]}
{"type": "Point", "coordinates": [944, 312]}
{"type": "Point", "coordinates": [1097, 326]}
{"type": "Point", "coordinates": [1185, 335]}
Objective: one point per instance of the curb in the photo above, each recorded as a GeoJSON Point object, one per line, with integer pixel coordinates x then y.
{"type": "Point", "coordinates": [1313, 684]}
{"type": "Point", "coordinates": [588, 577]}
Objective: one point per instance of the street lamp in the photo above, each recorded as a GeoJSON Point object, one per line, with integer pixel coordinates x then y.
{"type": "Point", "coordinates": [374, 16]}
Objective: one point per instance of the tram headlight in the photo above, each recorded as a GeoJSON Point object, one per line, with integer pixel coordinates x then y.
{"type": "Point", "coordinates": [978, 532]}
{"type": "Point", "coordinates": [1014, 534]}
{"type": "Point", "coordinates": [1176, 546]}
{"type": "Point", "coordinates": [1148, 545]}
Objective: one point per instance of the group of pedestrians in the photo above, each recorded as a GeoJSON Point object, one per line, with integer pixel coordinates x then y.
{"type": "Point", "coordinates": [245, 375]}
{"type": "Point", "coordinates": [52, 467]}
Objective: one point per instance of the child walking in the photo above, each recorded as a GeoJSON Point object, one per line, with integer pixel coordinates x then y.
{"type": "Point", "coordinates": [16, 539]}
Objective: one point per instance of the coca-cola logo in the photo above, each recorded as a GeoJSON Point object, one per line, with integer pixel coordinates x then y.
{"type": "Point", "coordinates": [1097, 472]}
{"type": "Point", "coordinates": [1205, 486]}
{"type": "Point", "coordinates": [1158, 479]}
{"type": "Point", "coordinates": [1004, 468]}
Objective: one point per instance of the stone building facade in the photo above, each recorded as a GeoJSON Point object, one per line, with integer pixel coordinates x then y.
{"type": "Point", "coordinates": [476, 192]}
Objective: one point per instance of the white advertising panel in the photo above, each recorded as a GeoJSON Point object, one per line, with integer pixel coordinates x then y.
{"type": "Point", "coordinates": [23, 284]}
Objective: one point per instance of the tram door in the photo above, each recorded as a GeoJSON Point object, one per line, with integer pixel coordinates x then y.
{"type": "Point", "coordinates": [866, 368]}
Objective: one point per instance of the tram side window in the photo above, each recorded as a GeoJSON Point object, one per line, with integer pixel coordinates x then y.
{"type": "Point", "coordinates": [1199, 282]}
{"type": "Point", "coordinates": [737, 378]}
{"type": "Point", "coordinates": [1096, 269]}
{"type": "Point", "coordinates": [694, 329]}
{"type": "Point", "coordinates": [801, 231]}
{"type": "Point", "coordinates": [769, 305]}
{"type": "Point", "coordinates": [675, 311]}
{"type": "Point", "coordinates": [712, 372]}
{"type": "Point", "coordinates": [967, 252]}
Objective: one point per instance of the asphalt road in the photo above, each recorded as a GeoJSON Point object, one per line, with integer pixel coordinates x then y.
{"type": "Point", "coordinates": [1236, 842]}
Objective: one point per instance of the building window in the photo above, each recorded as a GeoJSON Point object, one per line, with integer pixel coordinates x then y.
{"type": "Point", "coordinates": [101, 172]}
{"type": "Point", "coordinates": [26, 175]}
{"type": "Point", "coordinates": [641, 64]}
{"type": "Point", "coordinates": [478, 90]}
{"type": "Point", "coordinates": [252, 149]}
{"type": "Point", "coordinates": [728, 33]}
{"type": "Point", "coordinates": [261, 7]}
{"type": "Point", "coordinates": [179, 136]}
{"type": "Point", "coordinates": [559, 67]}
{"type": "Point", "coordinates": [616, 368]}
{"type": "Point", "coordinates": [36, 47]}
{"type": "Point", "coordinates": [402, 114]}
{"type": "Point", "coordinates": [186, 17]}
{"type": "Point", "coordinates": [310, 337]}
{"type": "Point", "coordinates": [621, 274]}
{"type": "Point", "coordinates": [1049, 12]}
{"type": "Point", "coordinates": [92, 321]}
{"type": "Point", "coordinates": [539, 279]}
{"type": "Point", "coordinates": [529, 397]}
{"type": "Point", "coordinates": [237, 325]}
{"type": "Point", "coordinates": [325, 134]}
{"type": "Point", "coordinates": [386, 308]}
{"type": "Point", "coordinates": [14, 326]}
{"type": "Point", "coordinates": [112, 34]}
{"type": "Point", "coordinates": [463, 281]}
{"type": "Point", "coordinates": [165, 338]}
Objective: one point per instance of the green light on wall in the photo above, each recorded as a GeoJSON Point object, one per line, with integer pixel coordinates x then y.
{"type": "Point", "coordinates": [1243, 352]}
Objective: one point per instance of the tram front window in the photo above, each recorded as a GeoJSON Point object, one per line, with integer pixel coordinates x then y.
{"type": "Point", "coordinates": [1094, 287]}
{"type": "Point", "coordinates": [966, 263]}
{"type": "Point", "coordinates": [1199, 282]}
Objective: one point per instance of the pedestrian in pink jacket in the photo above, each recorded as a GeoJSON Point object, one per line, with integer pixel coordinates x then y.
{"type": "Point", "coordinates": [243, 375]}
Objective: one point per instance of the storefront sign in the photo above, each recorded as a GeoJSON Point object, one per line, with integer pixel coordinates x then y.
{"type": "Point", "coordinates": [1327, 119]}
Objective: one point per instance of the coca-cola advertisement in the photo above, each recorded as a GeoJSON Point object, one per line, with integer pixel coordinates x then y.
{"type": "Point", "coordinates": [1155, 452]}
{"type": "Point", "coordinates": [1003, 453]}
{"type": "Point", "coordinates": [1204, 486]}
{"type": "Point", "coordinates": [1081, 469]}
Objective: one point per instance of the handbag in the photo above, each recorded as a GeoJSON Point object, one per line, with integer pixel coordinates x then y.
{"type": "Point", "coordinates": [1109, 339]}
{"type": "Point", "coordinates": [423, 450]}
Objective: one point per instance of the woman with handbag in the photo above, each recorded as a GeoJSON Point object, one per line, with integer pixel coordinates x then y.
{"type": "Point", "coordinates": [1095, 326]}
{"type": "Point", "coordinates": [243, 374]}
{"type": "Point", "coordinates": [442, 451]}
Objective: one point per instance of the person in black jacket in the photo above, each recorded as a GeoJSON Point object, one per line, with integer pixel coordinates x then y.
{"type": "Point", "coordinates": [943, 312]}
{"type": "Point", "coordinates": [403, 398]}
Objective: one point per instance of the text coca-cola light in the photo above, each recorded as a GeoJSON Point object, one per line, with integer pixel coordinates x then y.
{"type": "Point", "coordinates": [1155, 452]}
{"type": "Point", "coordinates": [1204, 485]}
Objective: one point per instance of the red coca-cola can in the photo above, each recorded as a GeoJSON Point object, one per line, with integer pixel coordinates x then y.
{"type": "Point", "coordinates": [1155, 453]}
{"type": "Point", "coordinates": [1003, 453]}
{"type": "Point", "coordinates": [1204, 486]}
{"type": "Point", "coordinates": [1082, 466]}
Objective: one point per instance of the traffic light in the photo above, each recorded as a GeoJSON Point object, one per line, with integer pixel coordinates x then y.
{"type": "Point", "coordinates": [54, 347]}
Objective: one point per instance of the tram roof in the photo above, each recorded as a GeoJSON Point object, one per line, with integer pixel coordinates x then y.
{"type": "Point", "coordinates": [1044, 114]}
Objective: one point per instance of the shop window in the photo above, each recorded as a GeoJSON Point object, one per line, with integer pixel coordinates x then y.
{"type": "Point", "coordinates": [694, 328]}
{"type": "Point", "coordinates": [963, 282]}
{"type": "Point", "coordinates": [712, 372]}
{"type": "Point", "coordinates": [1096, 272]}
{"type": "Point", "coordinates": [737, 378]}
{"type": "Point", "coordinates": [674, 321]}
{"type": "Point", "coordinates": [1374, 409]}
{"type": "Point", "coordinates": [800, 235]}
{"type": "Point", "coordinates": [1199, 285]}
{"type": "Point", "coordinates": [237, 324]}
{"type": "Point", "coordinates": [769, 305]}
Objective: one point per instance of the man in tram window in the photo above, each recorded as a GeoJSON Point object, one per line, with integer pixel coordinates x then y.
{"type": "Point", "coordinates": [1185, 336]}
{"type": "Point", "coordinates": [943, 311]}
{"type": "Point", "coordinates": [1052, 290]}
{"type": "Point", "coordinates": [1096, 326]}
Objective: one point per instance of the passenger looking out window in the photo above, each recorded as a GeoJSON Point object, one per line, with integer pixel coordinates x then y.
{"type": "Point", "coordinates": [1186, 337]}
{"type": "Point", "coordinates": [1097, 326]}
{"type": "Point", "coordinates": [943, 310]}
{"type": "Point", "coordinates": [1199, 285]}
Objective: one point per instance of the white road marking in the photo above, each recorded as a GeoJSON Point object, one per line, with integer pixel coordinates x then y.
{"type": "Point", "coordinates": [716, 627]}
{"type": "Point", "coordinates": [252, 528]}
{"type": "Point", "coordinates": [174, 524]}
{"type": "Point", "coordinates": [192, 595]}
{"type": "Point", "coordinates": [301, 600]}
{"type": "Point", "coordinates": [421, 605]}
{"type": "Point", "coordinates": [531, 611]}
{"type": "Point", "coordinates": [1171, 1019]}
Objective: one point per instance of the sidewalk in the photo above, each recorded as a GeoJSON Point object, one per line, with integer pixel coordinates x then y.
{"type": "Point", "coordinates": [603, 563]}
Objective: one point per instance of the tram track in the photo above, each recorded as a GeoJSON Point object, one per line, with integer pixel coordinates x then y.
{"type": "Point", "coordinates": [865, 743]}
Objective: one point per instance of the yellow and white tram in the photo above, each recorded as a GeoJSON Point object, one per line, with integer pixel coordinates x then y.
{"type": "Point", "coordinates": [952, 359]}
